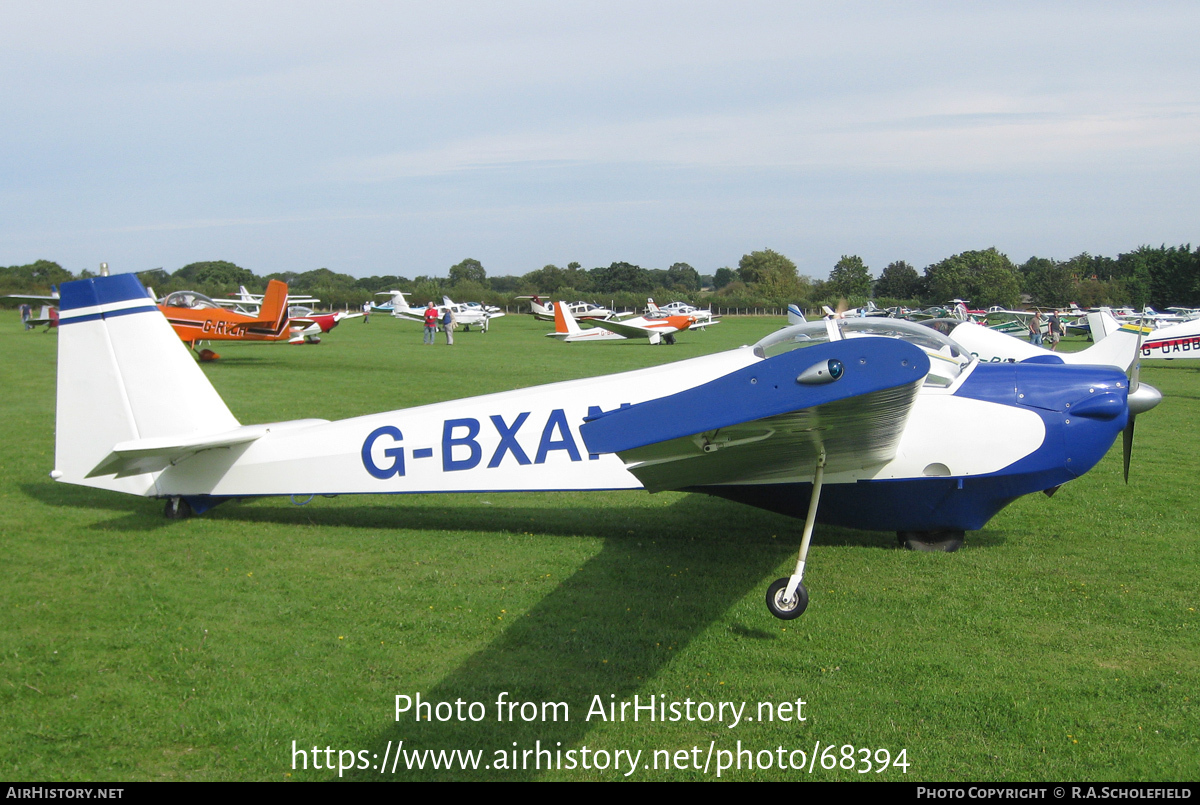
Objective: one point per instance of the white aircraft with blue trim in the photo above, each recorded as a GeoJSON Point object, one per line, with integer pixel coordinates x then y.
{"type": "Point", "coordinates": [992, 346]}
{"type": "Point", "coordinates": [867, 423]}
{"type": "Point", "coordinates": [1169, 343]}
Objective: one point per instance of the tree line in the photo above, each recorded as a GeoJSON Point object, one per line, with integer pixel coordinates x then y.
{"type": "Point", "coordinates": [1157, 276]}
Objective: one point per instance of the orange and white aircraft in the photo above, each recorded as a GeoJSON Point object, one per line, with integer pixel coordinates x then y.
{"type": "Point", "coordinates": [195, 317]}
{"type": "Point", "coordinates": [657, 330]}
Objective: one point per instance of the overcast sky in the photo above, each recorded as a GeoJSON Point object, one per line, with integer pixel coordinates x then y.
{"type": "Point", "coordinates": [396, 138]}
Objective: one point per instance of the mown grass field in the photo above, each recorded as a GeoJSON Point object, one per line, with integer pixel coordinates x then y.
{"type": "Point", "coordinates": [1062, 643]}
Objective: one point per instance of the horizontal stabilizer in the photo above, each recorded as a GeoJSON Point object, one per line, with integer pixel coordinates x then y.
{"type": "Point", "coordinates": [849, 399]}
{"type": "Point", "coordinates": [151, 455]}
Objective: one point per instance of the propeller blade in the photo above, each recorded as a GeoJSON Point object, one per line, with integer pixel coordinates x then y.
{"type": "Point", "coordinates": [1127, 446]}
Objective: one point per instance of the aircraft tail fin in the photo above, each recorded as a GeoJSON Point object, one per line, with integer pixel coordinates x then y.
{"type": "Point", "coordinates": [1102, 324]}
{"type": "Point", "coordinates": [795, 315]}
{"type": "Point", "coordinates": [274, 310]}
{"type": "Point", "coordinates": [124, 376]}
{"type": "Point", "coordinates": [650, 306]}
{"type": "Point", "coordinates": [1120, 349]}
{"type": "Point", "coordinates": [399, 303]}
{"type": "Point", "coordinates": [564, 322]}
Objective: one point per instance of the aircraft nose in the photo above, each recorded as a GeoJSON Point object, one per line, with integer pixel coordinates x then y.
{"type": "Point", "coordinates": [1143, 398]}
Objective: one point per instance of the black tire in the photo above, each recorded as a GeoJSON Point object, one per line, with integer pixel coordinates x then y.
{"type": "Point", "coordinates": [947, 541]}
{"type": "Point", "coordinates": [785, 610]}
{"type": "Point", "coordinates": [177, 509]}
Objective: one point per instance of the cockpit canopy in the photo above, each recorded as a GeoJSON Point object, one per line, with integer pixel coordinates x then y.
{"type": "Point", "coordinates": [947, 357]}
{"type": "Point", "coordinates": [189, 299]}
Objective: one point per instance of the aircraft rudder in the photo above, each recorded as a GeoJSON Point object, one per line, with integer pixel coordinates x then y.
{"type": "Point", "coordinates": [564, 322]}
{"type": "Point", "coordinates": [274, 308]}
{"type": "Point", "coordinates": [123, 375]}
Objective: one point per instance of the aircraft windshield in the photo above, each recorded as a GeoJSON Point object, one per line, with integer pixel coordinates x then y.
{"type": "Point", "coordinates": [948, 358]}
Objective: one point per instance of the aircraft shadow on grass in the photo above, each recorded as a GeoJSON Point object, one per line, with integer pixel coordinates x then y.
{"type": "Point", "coordinates": [661, 579]}
{"type": "Point", "coordinates": [608, 630]}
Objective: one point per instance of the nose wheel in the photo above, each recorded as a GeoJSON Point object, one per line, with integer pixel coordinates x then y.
{"type": "Point", "coordinates": [787, 598]}
{"type": "Point", "coordinates": [783, 607]}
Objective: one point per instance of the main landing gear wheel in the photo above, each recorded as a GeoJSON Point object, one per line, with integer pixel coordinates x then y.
{"type": "Point", "coordinates": [781, 607]}
{"type": "Point", "coordinates": [947, 541]}
{"type": "Point", "coordinates": [177, 509]}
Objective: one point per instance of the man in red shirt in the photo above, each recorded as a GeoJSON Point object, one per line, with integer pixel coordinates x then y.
{"type": "Point", "coordinates": [431, 322]}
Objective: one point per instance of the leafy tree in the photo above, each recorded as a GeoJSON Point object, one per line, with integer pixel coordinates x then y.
{"type": "Point", "coordinates": [36, 277]}
{"type": "Point", "coordinates": [1134, 269]}
{"type": "Point", "coordinates": [1048, 282]}
{"type": "Point", "coordinates": [985, 277]}
{"type": "Point", "coordinates": [723, 277]}
{"type": "Point", "coordinates": [850, 278]}
{"type": "Point", "coordinates": [621, 277]}
{"type": "Point", "coordinates": [898, 281]}
{"type": "Point", "coordinates": [469, 270]}
{"type": "Point", "coordinates": [217, 274]}
{"type": "Point", "coordinates": [682, 277]}
{"type": "Point", "coordinates": [547, 279]}
{"type": "Point", "coordinates": [507, 285]}
{"type": "Point", "coordinates": [773, 275]}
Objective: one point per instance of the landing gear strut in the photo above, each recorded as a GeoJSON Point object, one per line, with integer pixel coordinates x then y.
{"type": "Point", "coordinates": [787, 598]}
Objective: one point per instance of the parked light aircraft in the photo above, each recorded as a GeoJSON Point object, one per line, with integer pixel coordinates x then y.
{"type": "Point", "coordinates": [48, 318]}
{"type": "Point", "coordinates": [703, 317]}
{"type": "Point", "coordinates": [307, 318]}
{"type": "Point", "coordinates": [867, 423]}
{"type": "Point", "coordinates": [195, 318]}
{"type": "Point", "coordinates": [657, 329]}
{"type": "Point", "coordinates": [1168, 343]}
{"type": "Point", "coordinates": [992, 346]}
{"type": "Point", "coordinates": [580, 310]}
{"type": "Point", "coordinates": [49, 313]}
{"type": "Point", "coordinates": [1016, 322]}
{"type": "Point", "coordinates": [249, 302]}
{"type": "Point", "coordinates": [568, 330]}
{"type": "Point", "coordinates": [468, 313]}
{"type": "Point", "coordinates": [465, 317]}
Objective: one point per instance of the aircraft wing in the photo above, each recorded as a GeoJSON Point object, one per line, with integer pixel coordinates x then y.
{"type": "Point", "coordinates": [769, 422]}
{"type": "Point", "coordinates": [620, 328]}
{"type": "Point", "coordinates": [33, 298]}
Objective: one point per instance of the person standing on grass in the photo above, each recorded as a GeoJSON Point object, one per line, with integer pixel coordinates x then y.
{"type": "Point", "coordinates": [431, 322]}
{"type": "Point", "coordinates": [449, 322]}
{"type": "Point", "coordinates": [366, 311]}
{"type": "Point", "coordinates": [1035, 329]}
{"type": "Point", "coordinates": [1056, 330]}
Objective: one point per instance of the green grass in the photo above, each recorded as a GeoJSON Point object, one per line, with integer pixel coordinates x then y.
{"type": "Point", "coordinates": [1061, 644]}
